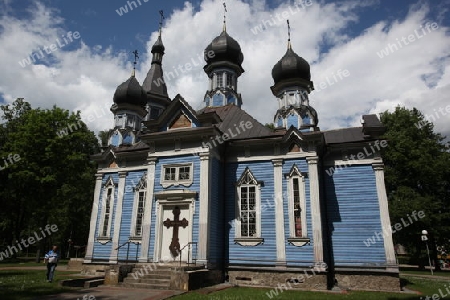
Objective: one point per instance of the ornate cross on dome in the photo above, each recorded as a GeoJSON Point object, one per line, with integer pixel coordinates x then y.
{"type": "Point", "coordinates": [175, 223]}
{"type": "Point", "coordinates": [289, 34]}
{"type": "Point", "coordinates": [161, 19]}
{"type": "Point", "coordinates": [136, 57]}
{"type": "Point", "coordinates": [225, 17]}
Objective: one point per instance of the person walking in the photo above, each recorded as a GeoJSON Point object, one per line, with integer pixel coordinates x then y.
{"type": "Point", "coordinates": [51, 259]}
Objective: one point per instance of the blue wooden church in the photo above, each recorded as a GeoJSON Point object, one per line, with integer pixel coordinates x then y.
{"type": "Point", "coordinates": [216, 189]}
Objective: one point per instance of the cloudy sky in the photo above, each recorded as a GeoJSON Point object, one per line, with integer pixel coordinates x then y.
{"type": "Point", "coordinates": [75, 53]}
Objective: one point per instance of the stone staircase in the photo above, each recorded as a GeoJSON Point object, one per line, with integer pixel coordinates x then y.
{"type": "Point", "coordinates": [149, 276]}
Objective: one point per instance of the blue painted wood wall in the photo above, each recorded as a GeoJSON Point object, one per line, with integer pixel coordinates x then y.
{"type": "Point", "coordinates": [353, 216]}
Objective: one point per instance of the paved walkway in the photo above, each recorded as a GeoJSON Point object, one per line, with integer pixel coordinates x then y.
{"type": "Point", "coordinates": [113, 293]}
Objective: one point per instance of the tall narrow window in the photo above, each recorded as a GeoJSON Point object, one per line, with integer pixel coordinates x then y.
{"type": "Point", "coordinates": [248, 211]}
{"type": "Point", "coordinates": [139, 207]}
{"type": "Point", "coordinates": [248, 216]}
{"type": "Point", "coordinates": [297, 207]}
{"type": "Point", "coordinates": [219, 80]}
{"type": "Point", "coordinates": [230, 80]}
{"type": "Point", "coordinates": [107, 212]}
{"type": "Point", "coordinates": [140, 214]}
{"type": "Point", "coordinates": [104, 230]}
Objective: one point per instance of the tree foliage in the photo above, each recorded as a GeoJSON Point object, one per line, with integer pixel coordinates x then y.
{"type": "Point", "coordinates": [417, 173]}
{"type": "Point", "coordinates": [53, 181]}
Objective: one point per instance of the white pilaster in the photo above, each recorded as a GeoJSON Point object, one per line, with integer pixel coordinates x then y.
{"type": "Point", "coordinates": [118, 217]}
{"type": "Point", "coordinates": [315, 209]}
{"type": "Point", "coordinates": [94, 215]}
{"type": "Point", "coordinates": [279, 213]}
{"type": "Point", "coordinates": [203, 232]}
{"type": "Point", "coordinates": [384, 213]}
{"type": "Point", "coordinates": [145, 243]}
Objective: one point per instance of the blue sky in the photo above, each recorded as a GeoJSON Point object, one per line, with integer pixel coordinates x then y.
{"type": "Point", "coordinates": [83, 73]}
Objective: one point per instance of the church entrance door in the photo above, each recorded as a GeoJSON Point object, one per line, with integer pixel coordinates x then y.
{"type": "Point", "coordinates": [175, 228]}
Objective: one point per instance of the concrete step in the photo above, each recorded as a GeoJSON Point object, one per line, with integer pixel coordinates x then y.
{"type": "Point", "coordinates": [155, 281]}
{"type": "Point", "coordinates": [154, 266]}
{"type": "Point", "coordinates": [146, 280]}
{"type": "Point", "coordinates": [150, 275]}
{"type": "Point", "coordinates": [148, 271]}
{"type": "Point", "coordinates": [146, 286]}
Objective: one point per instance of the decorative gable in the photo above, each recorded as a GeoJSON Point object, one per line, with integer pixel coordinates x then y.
{"type": "Point", "coordinates": [181, 122]}
{"type": "Point", "coordinates": [294, 148]}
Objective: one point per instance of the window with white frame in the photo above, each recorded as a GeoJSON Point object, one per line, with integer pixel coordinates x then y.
{"type": "Point", "coordinates": [297, 206]}
{"type": "Point", "coordinates": [107, 209]}
{"type": "Point", "coordinates": [140, 192]}
{"type": "Point", "coordinates": [230, 82]}
{"type": "Point", "coordinates": [177, 174]}
{"type": "Point", "coordinates": [248, 223]}
{"type": "Point", "coordinates": [219, 80]}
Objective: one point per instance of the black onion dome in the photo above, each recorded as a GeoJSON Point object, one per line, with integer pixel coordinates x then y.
{"type": "Point", "coordinates": [291, 66]}
{"type": "Point", "coordinates": [158, 47]}
{"type": "Point", "coordinates": [130, 92]}
{"type": "Point", "coordinates": [225, 48]}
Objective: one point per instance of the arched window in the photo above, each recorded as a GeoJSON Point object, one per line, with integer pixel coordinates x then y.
{"type": "Point", "coordinates": [140, 192]}
{"type": "Point", "coordinates": [297, 204]}
{"type": "Point", "coordinates": [107, 209]}
{"type": "Point", "coordinates": [248, 206]}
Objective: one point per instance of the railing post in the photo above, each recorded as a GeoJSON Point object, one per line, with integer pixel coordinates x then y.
{"type": "Point", "coordinates": [137, 251]}
{"type": "Point", "coordinates": [128, 250]}
{"type": "Point", "coordinates": [189, 250]}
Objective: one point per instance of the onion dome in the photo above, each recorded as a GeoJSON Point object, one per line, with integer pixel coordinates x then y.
{"type": "Point", "coordinates": [130, 92]}
{"type": "Point", "coordinates": [291, 66]}
{"type": "Point", "coordinates": [224, 50]}
{"type": "Point", "coordinates": [158, 48]}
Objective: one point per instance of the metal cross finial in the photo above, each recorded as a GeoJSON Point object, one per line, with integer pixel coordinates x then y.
{"type": "Point", "coordinates": [161, 13]}
{"type": "Point", "coordinates": [289, 30]}
{"type": "Point", "coordinates": [289, 34]}
{"type": "Point", "coordinates": [136, 57]}
{"type": "Point", "coordinates": [225, 17]}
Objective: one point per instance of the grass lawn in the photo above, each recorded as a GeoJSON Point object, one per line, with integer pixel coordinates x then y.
{"type": "Point", "coordinates": [440, 273]}
{"type": "Point", "coordinates": [425, 286]}
{"type": "Point", "coordinates": [28, 284]}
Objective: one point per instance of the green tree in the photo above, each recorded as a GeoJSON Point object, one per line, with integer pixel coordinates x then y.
{"type": "Point", "coordinates": [270, 126]}
{"type": "Point", "coordinates": [417, 169]}
{"type": "Point", "coordinates": [103, 136]}
{"type": "Point", "coordinates": [52, 183]}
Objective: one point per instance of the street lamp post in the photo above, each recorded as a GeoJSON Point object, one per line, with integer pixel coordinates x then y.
{"type": "Point", "coordinates": [425, 239]}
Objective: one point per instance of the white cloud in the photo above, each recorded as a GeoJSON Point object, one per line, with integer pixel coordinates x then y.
{"type": "Point", "coordinates": [414, 75]}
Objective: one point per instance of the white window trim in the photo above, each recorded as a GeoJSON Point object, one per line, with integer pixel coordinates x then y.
{"type": "Point", "coordinates": [176, 182]}
{"type": "Point", "coordinates": [140, 187]}
{"type": "Point", "coordinates": [245, 240]}
{"type": "Point", "coordinates": [109, 184]}
{"type": "Point", "coordinates": [294, 240]}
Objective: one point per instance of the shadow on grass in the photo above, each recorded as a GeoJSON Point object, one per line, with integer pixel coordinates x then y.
{"type": "Point", "coordinates": [27, 285]}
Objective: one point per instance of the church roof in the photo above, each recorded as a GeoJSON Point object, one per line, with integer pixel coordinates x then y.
{"type": "Point", "coordinates": [231, 116]}
{"type": "Point", "coordinates": [344, 135]}
{"type": "Point", "coordinates": [372, 129]}
{"type": "Point", "coordinates": [154, 81]}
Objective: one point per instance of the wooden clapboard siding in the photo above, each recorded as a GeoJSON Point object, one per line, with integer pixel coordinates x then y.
{"type": "Point", "coordinates": [102, 252]}
{"type": "Point", "coordinates": [353, 216]}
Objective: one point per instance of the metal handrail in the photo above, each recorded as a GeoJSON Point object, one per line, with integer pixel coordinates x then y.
{"type": "Point", "coordinates": [189, 251]}
{"type": "Point", "coordinates": [128, 250]}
